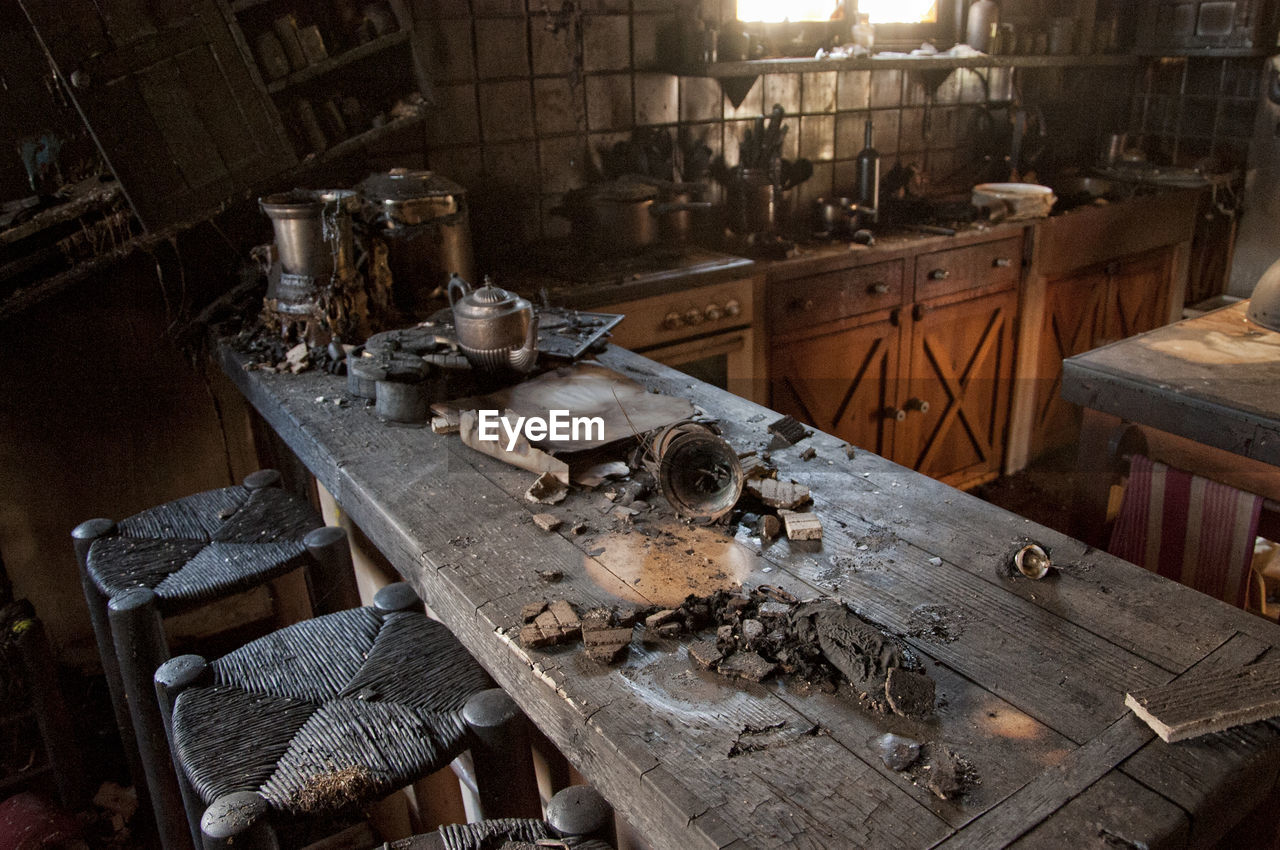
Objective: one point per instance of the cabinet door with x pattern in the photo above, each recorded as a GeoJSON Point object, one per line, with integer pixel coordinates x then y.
{"type": "Point", "coordinates": [843, 381]}
{"type": "Point", "coordinates": [956, 401]}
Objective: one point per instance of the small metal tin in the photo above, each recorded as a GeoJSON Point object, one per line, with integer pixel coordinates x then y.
{"type": "Point", "coordinates": [401, 392]}
{"type": "Point", "coordinates": [363, 373]}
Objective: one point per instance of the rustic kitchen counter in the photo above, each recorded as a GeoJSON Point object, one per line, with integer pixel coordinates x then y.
{"type": "Point", "coordinates": [1031, 676]}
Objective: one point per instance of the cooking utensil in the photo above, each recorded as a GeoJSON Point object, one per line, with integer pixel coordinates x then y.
{"type": "Point", "coordinates": [837, 216]}
{"type": "Point", "coordinates": [753, 201]}
{"type": "Point", "coordinates": [423, 218]}
{"type": "Point", "coordinates": [497, 330]}
{"type": "Point", "coordinates": [793, 173]}
{"type": "Point", "coordinates": [932, 229]}
{"type": "Point", "coordinates": [622, 215]}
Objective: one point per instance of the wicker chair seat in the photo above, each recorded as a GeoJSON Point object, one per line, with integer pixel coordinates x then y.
{"type": "Point", "coordinates": [328, 713]}
{"type": "Point", "coordinates": [204, 547]}
{"type": "Point", "coordinates": [499, 834]}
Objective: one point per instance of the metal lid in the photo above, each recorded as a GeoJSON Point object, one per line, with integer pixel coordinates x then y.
{"type": "Point", "coordinates": [489, 301]}
{"type": "Point", "coordinates": [403, 184]}
{"type": "Point", "coordinates": [624, 190]}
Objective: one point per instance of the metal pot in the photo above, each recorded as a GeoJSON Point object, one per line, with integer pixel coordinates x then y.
{"type": "Point", "coordinates": [497, 330]}
{"type": "Point", "coordinates": [423, 218]}
{"type": "Point", "coordinates": [623, 216]}
{"type": "Point", "coordinates": [837, 216]}
{"type": "Point", "coordinates": [753, 201]}
{"type": "Point", "coordinates": [313, 231]}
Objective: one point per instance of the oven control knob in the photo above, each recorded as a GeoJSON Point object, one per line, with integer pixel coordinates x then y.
{"type": "Point", "coordinates": [713, 312]}
{"type": "Point", "coordinates": [672, 321]}
{"type": "Point", "coordinates": [693, 316]}
{"type": "Point", "coordinates": [732, 307]}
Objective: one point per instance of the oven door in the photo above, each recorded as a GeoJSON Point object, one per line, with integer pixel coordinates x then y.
{"type": "Point", "coordinates": [724, 360]}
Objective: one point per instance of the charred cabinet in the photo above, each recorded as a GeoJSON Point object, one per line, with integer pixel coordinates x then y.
{"type": "Point", "coordinates": [1093, 307]}
{"type": "Point", "coordinates": [910, 358]}
{"type": "Point", "coordinates": [169, 98]}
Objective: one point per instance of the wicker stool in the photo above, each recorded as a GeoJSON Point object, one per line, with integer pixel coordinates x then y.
{"type": "Point", "coordinates": [577, 814]}
{"type": "Point", "coordinates": [177, 557]}
{"type": "Point", "coordinates": [325, 716]}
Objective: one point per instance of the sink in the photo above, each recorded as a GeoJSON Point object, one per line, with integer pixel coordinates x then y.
{"type": "Point", "coordinates": [1075, 192]}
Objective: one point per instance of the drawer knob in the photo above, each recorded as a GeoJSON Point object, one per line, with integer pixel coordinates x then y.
{"type": "Point", "coordinates": [672, 321]}
{"type": "Point", "coordinates": [878, 289]}
{"type": "Point", "coordinates": [919, 311]}
{"type": "Point", "coordinates": [939, 274]}
{"type": "Point", "coordinates": [1001, 263]}
{"type": "Point", "coordinates": [918, 404]}
{"type": "Point", "coordinates": [693, 316]}
{"type": "Point", "coordinates": [713, 312]}
{"type": "Point", "coordinates": [895, 317]}
{"type": "Point", "coordinates": [732, 307]}
{"type": "Point", "coordinates": [897, 414]}
{"type": "Point", "coordinates": [802, 306]}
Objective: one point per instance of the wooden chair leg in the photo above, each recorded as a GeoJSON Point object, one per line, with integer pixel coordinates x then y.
{"type": "Point", "coordinates": [262, 479]}
{"type": "Point", "coordinates": [140, 645]}
{"type": "Point", "coordinates": [83, 537]}
{"type": "Point", "coordinates": [331, 575]}
{"type": "Point", "coordinates": [51, 713]}
{"type": "Point", "coordinates": [579, 811]}
{"type": "Point", "coordinates": [398, 596]}
{"type": "Point", "coordinates": [171, 679]}
{"type": "Point", "coordinates": [501, 755]}
{"type": "Point", "coordinates": [238, 821]}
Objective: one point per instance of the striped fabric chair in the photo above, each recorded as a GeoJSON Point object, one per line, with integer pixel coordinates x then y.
{"type": "Point", "coordinates": [1187, 528]}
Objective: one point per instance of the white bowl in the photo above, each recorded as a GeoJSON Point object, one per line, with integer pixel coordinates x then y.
{"type": "Point", "coordinates": [1011, 201]}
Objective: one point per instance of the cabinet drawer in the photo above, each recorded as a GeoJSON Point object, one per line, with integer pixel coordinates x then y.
{"type": "Point", "coordinates": [805, 302]}
{"type": "Point", "coordinates": [957, 269]}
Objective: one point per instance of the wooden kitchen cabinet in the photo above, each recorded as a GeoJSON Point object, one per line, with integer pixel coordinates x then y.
{"type": "Point", "coordinates": [1097, 274]}
{"type": "Point", "coordinates": [168, 97]}
{"type": "Point", "coordinates": [910, 358]}
{"type": "Point", "coordinates": [957, 392]}
{"type": "Point", "coordinates": [1092, 307]}
{"type": "Point", "coordinates": [180, 102]}
{"type": "Point", "coordinates": [844, 382]}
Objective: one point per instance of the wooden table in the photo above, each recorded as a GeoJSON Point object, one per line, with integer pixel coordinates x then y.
{"type": "Point", "coordinates": [1214, 379]}
{"type": "Point", "coordinates": [1206, 393]}
{"type": "Point", "coordinates": [1031, 675]}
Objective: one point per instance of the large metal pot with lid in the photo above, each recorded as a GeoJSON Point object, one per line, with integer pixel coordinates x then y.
{"type": "Point", "coordinates": [620, 216]}
{"type": "Point", "coordinates": [422, 216]}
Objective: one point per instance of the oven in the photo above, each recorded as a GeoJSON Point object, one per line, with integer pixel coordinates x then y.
{"type": "Point", "coordinates": [710, 332]}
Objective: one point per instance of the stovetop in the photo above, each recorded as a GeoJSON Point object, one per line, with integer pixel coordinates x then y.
{"type": "Point", "coordinates": [562, 274]}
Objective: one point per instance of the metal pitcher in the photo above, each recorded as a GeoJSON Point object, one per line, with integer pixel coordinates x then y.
{"type": "Point", "coordinates": [497, 330]}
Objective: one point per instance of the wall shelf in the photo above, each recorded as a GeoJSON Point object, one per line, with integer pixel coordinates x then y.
{"type": "Point", "coordinates": [755, 67]}
{"type": "Point", "coordinates": [355, 54]}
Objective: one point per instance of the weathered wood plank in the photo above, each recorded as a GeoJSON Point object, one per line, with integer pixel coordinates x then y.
{"type": "Point", "coordinates": [1006, 747]}
{"type": "Point", "coordinates": [1106, 815]}
{"type": "Point", "coordinates": [1051, 790]}
{"type": "Point", "coordinates": [1212, 703]}
{"type": "Point", "coordinates": [1222, 775]}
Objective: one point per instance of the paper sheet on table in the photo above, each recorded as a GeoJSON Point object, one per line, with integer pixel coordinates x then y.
{"type": "Point", "coordinates": [521, 454]}
{"type": "Point", "coordinates": [585, 389]}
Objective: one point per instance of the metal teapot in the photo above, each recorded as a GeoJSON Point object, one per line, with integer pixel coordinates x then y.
{"type": "Point", "coordinates": [497, 330]}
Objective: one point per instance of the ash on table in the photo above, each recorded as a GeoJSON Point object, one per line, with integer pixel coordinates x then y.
{"type": "Point", "coordinates": [820, 643]}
